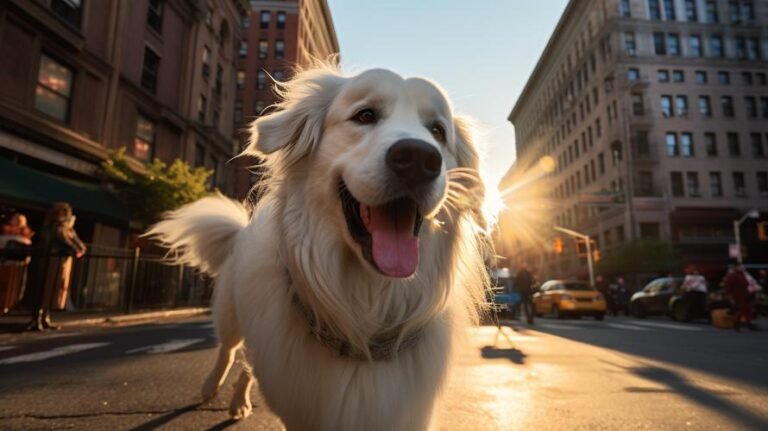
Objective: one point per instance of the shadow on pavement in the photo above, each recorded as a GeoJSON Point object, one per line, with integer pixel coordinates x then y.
{"type": "Point", "coordinates": [164, 419]}
{"type": "Point", "coordinates": [223, 425]}
{"type": "Point", "coordinates": [714, 401]}
{"type": "Point", "coordinates": [514, 355]}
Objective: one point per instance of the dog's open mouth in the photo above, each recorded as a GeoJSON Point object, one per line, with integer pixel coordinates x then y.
{"type": "Point", "coordinates": [388, 234]}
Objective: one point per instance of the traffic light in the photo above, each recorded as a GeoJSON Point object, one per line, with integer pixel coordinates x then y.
{"type": "Point", "coordinates": [595, 255]}
{"type": "Point", "coordinates": [762, 231]}
{"type": "Point", "coordinates": [557, 245]}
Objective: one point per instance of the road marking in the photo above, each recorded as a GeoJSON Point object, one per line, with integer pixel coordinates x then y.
{"type": "Point", "coordinates": [620, 326]}
{"type": "Point", "coordinates": [58, 351]}
{"type": "Point", "coordinates": [668, 326]}
{"type": "Point", "coordinates": [167, 347]}
{"type": "Point", "coordinates": [4, 348]}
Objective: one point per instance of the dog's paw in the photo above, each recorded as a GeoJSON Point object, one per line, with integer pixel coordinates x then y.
{"type": "Point", "coordinates": [240, 408]}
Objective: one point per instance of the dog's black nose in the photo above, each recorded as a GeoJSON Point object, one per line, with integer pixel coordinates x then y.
{"type": "Point", "coordinates": [415, 162]}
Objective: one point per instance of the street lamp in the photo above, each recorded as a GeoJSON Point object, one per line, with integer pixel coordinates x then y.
{"type": "Point", "coordinates": [753, 213]}
{"type": "Point", "coordinates": [588, 241]}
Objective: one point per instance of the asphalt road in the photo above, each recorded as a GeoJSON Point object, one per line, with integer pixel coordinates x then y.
{"type": "Point", "coordinates": [559, 374]}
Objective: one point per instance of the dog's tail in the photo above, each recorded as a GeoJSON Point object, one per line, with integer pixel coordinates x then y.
{"type": "Point", "coordinates": [201, 234]}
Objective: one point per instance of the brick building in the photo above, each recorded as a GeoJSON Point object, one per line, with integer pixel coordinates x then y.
{"type": "Point", "coordinates": [656, 113]}
{"type": "Point", "coordinates": [277, 36]}
{"type": "Point", "coordinates": [83, 78]}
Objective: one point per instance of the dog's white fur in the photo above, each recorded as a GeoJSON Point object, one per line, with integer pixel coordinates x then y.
{"type": "Point", "coordinates": [296, 241]}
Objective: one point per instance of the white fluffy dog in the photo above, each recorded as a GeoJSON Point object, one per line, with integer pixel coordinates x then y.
{"type": "Point", "coordinates": [361, 261]}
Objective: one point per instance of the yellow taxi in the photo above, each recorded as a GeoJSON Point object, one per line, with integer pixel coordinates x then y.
{"type": "Point", "coordinates": [562, 298]}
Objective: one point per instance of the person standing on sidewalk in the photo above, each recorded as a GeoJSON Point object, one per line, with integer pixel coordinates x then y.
{"type": "Point", "coordinates": [737, 287]}
{"type": "Point", "coordinates": [524, 286]}
{"type": "Point", "coordinates": [695, 288]}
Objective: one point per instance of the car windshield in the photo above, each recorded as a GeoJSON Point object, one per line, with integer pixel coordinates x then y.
{"type": "Point", "coordinates": [574, 286]}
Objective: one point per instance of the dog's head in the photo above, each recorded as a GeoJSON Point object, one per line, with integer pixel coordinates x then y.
{"type": "Point", "coordinates": [374, 154]}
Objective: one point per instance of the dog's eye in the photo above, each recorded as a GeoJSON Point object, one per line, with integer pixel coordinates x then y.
{"type": "Point", "coordinates": [366, 116]}
{"type": "Point", "coordinates": [438, 132]}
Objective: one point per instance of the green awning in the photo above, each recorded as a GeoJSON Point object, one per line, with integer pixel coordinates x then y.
{"type": "Point", "coordinates": [22, 183]}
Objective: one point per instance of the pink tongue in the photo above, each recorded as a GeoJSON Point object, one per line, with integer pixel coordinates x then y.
{"type": "Point", "coordinates": [395, 248]}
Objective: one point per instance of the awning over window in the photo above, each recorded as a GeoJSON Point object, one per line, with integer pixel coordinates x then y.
{"type": "Point", "coordinates": [25, 184]}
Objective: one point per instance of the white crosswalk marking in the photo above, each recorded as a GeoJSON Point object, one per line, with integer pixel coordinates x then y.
{"type": "Point", "coordinates": [629, 327]}
{"type": "Point", "coordinates": [167, 347]}
{"type": "Point", "coordinates": [669, 326]}
{"type": "Point", "coordinates": [52, 353]}
{"type": "Point", "coordinates": [4, 348]}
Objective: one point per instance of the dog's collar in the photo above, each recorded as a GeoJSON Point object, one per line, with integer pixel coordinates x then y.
{"type": "Point", "coordinates": [382, 347]}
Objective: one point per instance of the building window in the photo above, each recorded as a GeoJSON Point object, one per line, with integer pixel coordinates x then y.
{"type": "Point", "coordinates": [694, 41]}
{"type": "Point", "coordinates": [726, 102]}
{"type": "Point", "coordinates": [54, 88]}
{"type": "Point", "coordinates": [638, 108]}
{"type": "Point", "coordinates": [715, 184]}
{"type": "Point", "coordinates": [68, 10]}
{"type": "Point", "coordinates": [258, 107]}
{"type": "Point", "coordinates": [692, 180]}
{"type": "Point", "coordinates": [261, 80]}
{"type": "Point", "coordinates": [757, 144]}
{"type": "Point", "coordinates": [686, 144]}
{"type": "Point", "coordinates": [144, 141]}
{"type": "Point", "coordinates": [601, 163]}
{"type": "Point", "coordinates": [599, 127]}
{"type": "Point", "coordinates": [280, 20]}
{"type": "Point", "coordinates": [645, 183]}
{"type": "Point", "coordinates": [750, 105]}
{"type": "Point", "coordinates": [642, 143]}
{"type": "Point", "coordinates": [724, 77]}
{"type": "Point", "coordinates": [264, 19]}
{"type": "Point", "coordinates": [746, 78]}
{"type": "Point", "coordinates": [710, 144]}
{"type": "Point", "coordinates": [219, 76]}
{"type": "Point", "coordinates": [666, 106]}
{"type": "Point", "coordinates": [760, 78]}
{"type": "Point", "coordinates": [279, 49]}
{"type": "Point", "coordinates": [155, 15]}
{"type": "Point", "coordinates": [659, 44]}
{"type": "Point", "coordinates": [753, 48]}
{"type": "Point", "coordinates": [149, 70]}
{"type": "Point", "coordinates": [712, 16]}
{"type": "Point", "coordinates": [243, 48]}
{"type": "Point", "coordinates": [741, 47]}
{"type": "Point", "coordinates": [673, 44]}
{"type": "Point", "coordinates": [739, 184]}
{"type": "Point", "coordinates": [199, 155]}
{"type": "Point", "coordinates": [705, 107]}
{"type": "Point", "coordinates": [716, 46]}
{"type": "Point", "coordinates": [654, 12]}
{"type": "Point", "coordinates": [691, 14]}
{"type": "Point", "coordinates": [206, 62]}
{"type": "Point", "coordinates": [240, 79]}
{"type": "Point", "coordinates": [245, 22]}
{"type": "Point", "coordinates": [764, 106]}
{"type": "Point", "coordinates": [278, 75]}
{"type": "Point", "coordinates": [662, 75]}
{"type": "Point", "coordinates": [263, 49]}
{"type": "Point", "coordinates": [676, 180]}
{"type": "Point", "coordinates": [625, 8]}
{"type": "Point", "coordinates": [209, 17]}
{"type": "Point", "coordinates": [238, 117]}
{"type": "Point", "coordinates": [734, 149]}
{"type": "Point", "coordinates": [632, 74]}
{"type": "Point", "coordinates": [678, 76]}
{"type": "Point", "coordinates": [681, 105]}
{"type": "Point", "coordinates": [669, 10]}
{"type": "Point", "coordinates": [673, 149]}
{"type": "Point", "coordinates": [630, 45]}
{"type": "Point", "coordinates": [762, 182]}
{"type": "Point", "coordinates": [202, 108]}
{"type": "Point", "coordinates": [701, 77]}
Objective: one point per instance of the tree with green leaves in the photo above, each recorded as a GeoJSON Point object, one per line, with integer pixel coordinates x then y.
{"type": "Point", "coordinates": [156, 189]}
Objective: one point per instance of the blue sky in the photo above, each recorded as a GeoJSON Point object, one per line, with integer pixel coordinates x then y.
{"type": "Point", "coordinates": [481, 53]}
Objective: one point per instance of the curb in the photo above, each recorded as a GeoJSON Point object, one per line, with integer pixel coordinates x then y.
{"type": "Point", "coordinates": [124, 319]}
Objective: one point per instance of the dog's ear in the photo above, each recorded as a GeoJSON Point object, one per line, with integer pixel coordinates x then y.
{"type": "Point", "coordinates": [296, 126]}
{"type": "Point", "coordinates": [468, 158]}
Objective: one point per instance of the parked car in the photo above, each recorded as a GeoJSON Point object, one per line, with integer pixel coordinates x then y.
{"type": "Point", "coordinates": [569, 298]}
{"type": "Point", "coordinates": [665, 296]}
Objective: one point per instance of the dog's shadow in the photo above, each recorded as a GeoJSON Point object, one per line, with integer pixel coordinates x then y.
{"type": "Point", "coordinates": [176, 413]}
{"type": "Point", "coordinates": [492, 352]}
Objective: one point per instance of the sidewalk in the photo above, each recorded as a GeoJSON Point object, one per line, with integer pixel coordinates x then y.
{"type": "Point", "coordinates": [16, 321]}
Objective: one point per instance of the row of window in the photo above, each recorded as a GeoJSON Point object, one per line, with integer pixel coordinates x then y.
{"type": "Point", "coordinates": [264, 49]}
{"type": "Point", "coordinates": [265, 18]}
{"type": "Point", "coordinates": [738, 11]}
{"type": "Point", "coordinates": [686, 184]}
{"type": "Point", "coordinates": [261, 78]}
{"type": "Point", "coordinates": [682, 144]}
{"type": "Point", "coordinates": [680, 106]}
{"type": "Point", "coordinates": [701, 76]}
{"type": "Point", "coordinates": [745, 48]}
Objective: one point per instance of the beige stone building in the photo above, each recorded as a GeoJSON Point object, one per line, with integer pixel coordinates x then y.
{"type": "Point", "coordinates": [656, 114]}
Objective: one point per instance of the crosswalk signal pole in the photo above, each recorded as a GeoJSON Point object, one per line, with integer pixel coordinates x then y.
{"type": "Point", "coordinates": [587, 240]}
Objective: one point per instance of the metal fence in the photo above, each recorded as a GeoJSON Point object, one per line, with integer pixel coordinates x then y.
{"type": "Point", "coordinates": [109, 279]}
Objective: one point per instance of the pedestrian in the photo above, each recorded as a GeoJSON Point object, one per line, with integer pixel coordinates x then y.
{"type": "Point", "coordinates": [623, 296]}
{"type": "Point", "coordinates": [56, 247]}
{"type": "Point", "coordinates": [737, 288]}
{"type": "Point", "coordinates": [603, 287]}
{"type": "Point", "coordinates": [16, 230]}
{"type": "Point", "coordinates": [524, 285]}
{"type": "Point", "coordinates": [694, 293]}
